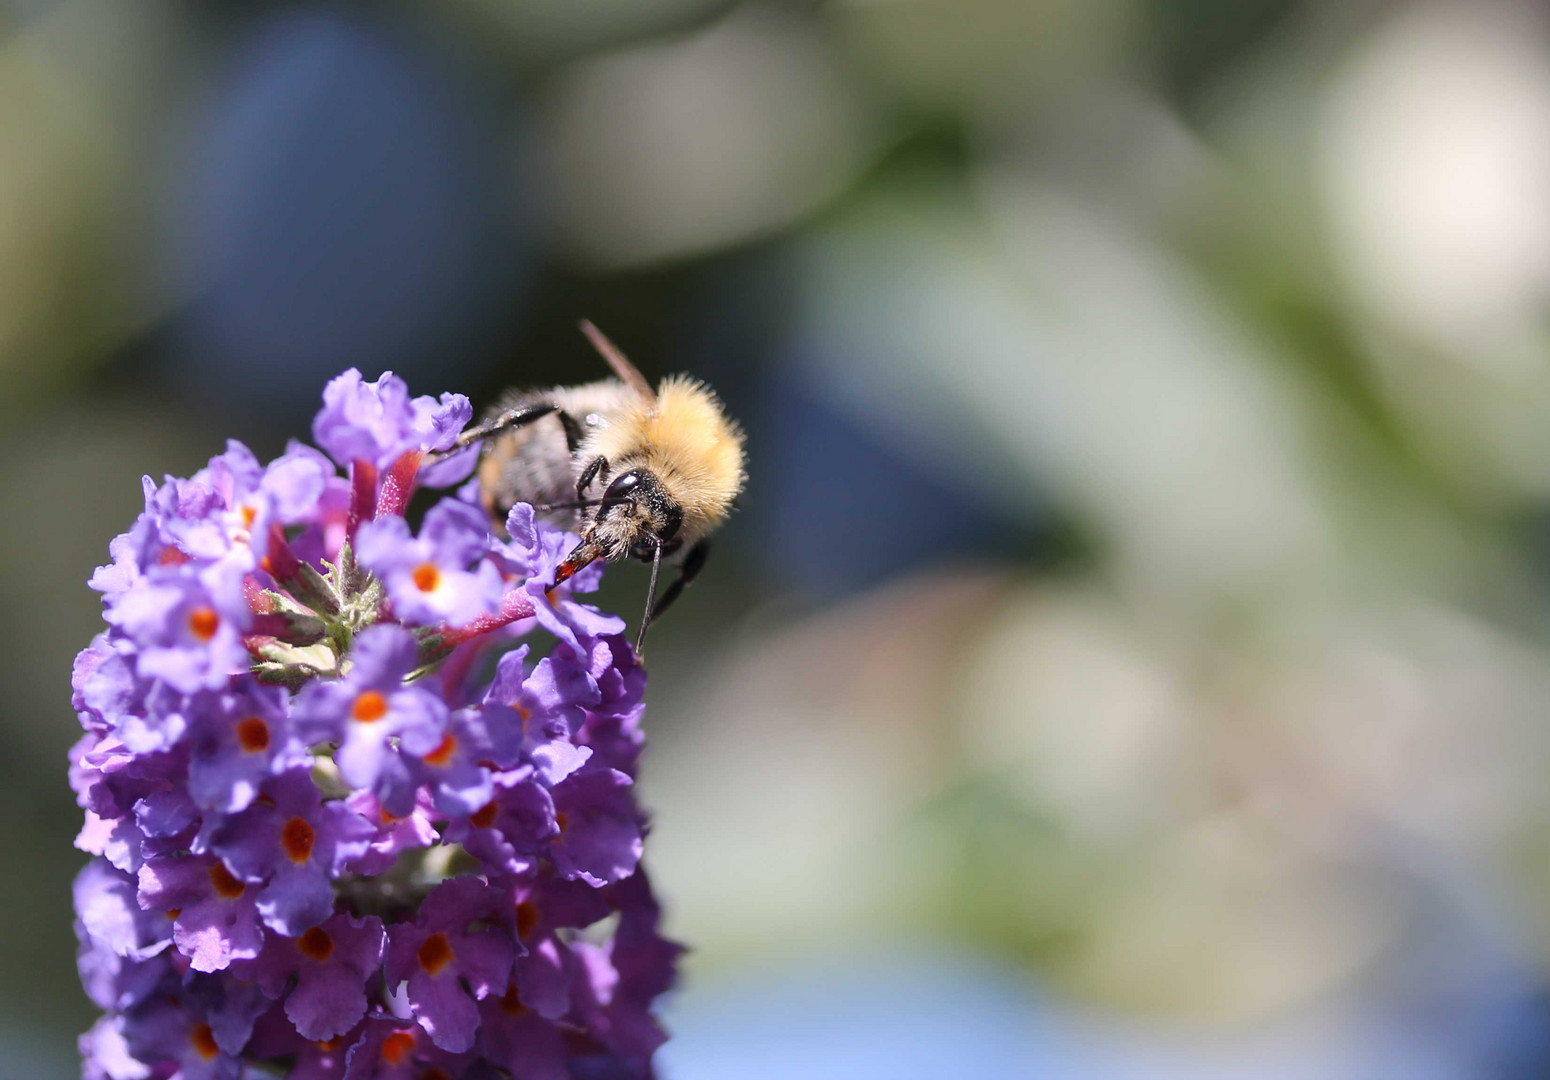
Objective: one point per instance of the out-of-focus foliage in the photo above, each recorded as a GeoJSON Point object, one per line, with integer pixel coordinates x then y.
{"type": "Point", "coordinates": [1130, 658]}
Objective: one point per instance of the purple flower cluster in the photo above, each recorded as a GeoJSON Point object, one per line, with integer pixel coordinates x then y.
{"type": "Point", "coordinates": [343, 824]}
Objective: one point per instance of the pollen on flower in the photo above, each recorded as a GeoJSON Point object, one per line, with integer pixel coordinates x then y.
{"type": "Point", "coordinates": [511, 1004]}
{"type": "Point", "coordinates": [527, 918]}
{"type": "Point", "coordinates": [443, 752]}
{"type": "Point", "coordinates": [203, 1040]}
{"type": "Point", "coordinates": [226, 886]}
{"type": "Point", "coordinates": [426, 577]}
{"type": "Point", "coordinates": [370, 705]}
{"type": "Point", "coordinates": [396, 1046]}
{"type": "Point", "coordinates": [252, 734]}
{"type": "Point", "coordinates": [435, 953]}
{"type": "Point", "coordinates": [171, 556]}
{"type": "Point", "coordinates": [296, 837]}
{"type": "Point", "coordinates": [316, 944]}
{"type": "Point", "coordinates": [173, 912]}
{"type": "Point", "coordinates": [203, 622]}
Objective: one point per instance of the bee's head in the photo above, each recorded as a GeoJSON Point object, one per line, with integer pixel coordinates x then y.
{"type": "Point", "coordinates": [634, 518]}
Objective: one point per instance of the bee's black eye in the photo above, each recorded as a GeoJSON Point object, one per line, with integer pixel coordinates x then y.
{"type": "Point", "coordinates": [623, 486]}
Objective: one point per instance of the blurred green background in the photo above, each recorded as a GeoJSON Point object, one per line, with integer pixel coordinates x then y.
{"type": "Point", "coordinates": [1131, 657]}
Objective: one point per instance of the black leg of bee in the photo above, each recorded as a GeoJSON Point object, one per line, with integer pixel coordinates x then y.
{"type": "Point", "coordinates": [520, 416]}
{"type": "Point", "coordinates": [693, 563]}
{"type": "Point", "coordinates": [598, 467]}
{"type": "Point", "coordinates": [573, 432]}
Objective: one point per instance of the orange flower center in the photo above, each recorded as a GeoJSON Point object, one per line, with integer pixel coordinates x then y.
{"type": "Point", "coordinates": [527, 918]}
{"type": "Point", "coordinates": [296, 837]}
{"type": "Point", "coordinates": [512, 1005]}
{"type": "Point", "coordinates": [171, 556]}
{"type": "Point", "coordinates": [484, 817]}
{"type": "Point", "coordinates": [252, 735]}
{"type": "Point", "coordinates": [443, 752]}
{"type": "Point", "coordinates": [248, 514]}
{"type": "Point", "coordinates": [203, 622]}
{"type": "Point", "coordinates": [561, 820]}
{"type": "Point", "coordinates": [226, 886]}
{"type": "Point", "coordinates": [315, 944]}
{"type": "Point", "coordinates": [204, 1041]}
{"type": "Point", "coordinates": [435, 953]}
{"type": "Point", "coordinates": [426, 577]}
{"type": "Point", "coordinates": [396, 1045]}
{"type": "Point", "coordinates": [369, 705]}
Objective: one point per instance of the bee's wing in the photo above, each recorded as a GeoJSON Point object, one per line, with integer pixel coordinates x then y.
{"type": "Point", "coordinates": [627, 372]}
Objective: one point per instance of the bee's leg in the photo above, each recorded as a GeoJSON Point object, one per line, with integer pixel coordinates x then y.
{"type": "Point", "coordinates": [598, 467]}
{"type": "Point", "coordinates": [517, 417]}
{"type": "Point", "coordinates": [573, 431]}
{"type": "Point", "coordinates": [693, 563]}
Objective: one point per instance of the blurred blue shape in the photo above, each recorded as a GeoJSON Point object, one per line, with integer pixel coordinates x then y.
{"type": "Point", "coordinates": [343, 207]}
{"type": "Point", "coordinates": [938, 1016]}
{"type": "Point", "coordinates": [920, 1019]}
{"type": "Point", "coordinates": [841, 507]}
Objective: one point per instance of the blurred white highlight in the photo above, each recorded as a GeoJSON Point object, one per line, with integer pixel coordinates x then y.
{"type": "Point", "coordinates": [668, 149]}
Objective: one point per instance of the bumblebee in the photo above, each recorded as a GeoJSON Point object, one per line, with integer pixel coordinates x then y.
{"type": "Point", "coordinates": [638, 472]}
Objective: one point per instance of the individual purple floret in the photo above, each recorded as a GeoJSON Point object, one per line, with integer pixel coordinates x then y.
{"type": "Point", "coordinates": [456, 948]}
{"type": "Point", "coordinates": [395, 835]}
{"type": "Point", "coordinates": [531, 717]}
{"type": "Point", "coordinates": [373, 717]}
{"type": "Point", "coordinates": [214, 915]}
{"type": "Point", "coordinates": [291, 844]}
{"type": "Point", "coordinates": [240, 738]}
{"type": "Point", "coordinates": [377, 422]}
{"type": "Point", "coordinates": [394, 1049]}
{"type": "Point", "coordinates": [189, 628]}
{"type": "Point", "coordinates": [342, 825]}
{"type": "Point", "coordinates": [599, 831]}
{"type": "Point", "coordinates": [453, 773]}
{"type": "Point", "coordinates": [439, 576]}
{"type": "Point", "coordinates": [537, 553]}
{"type": "Point", "coordinates": [331, 965]}
{"type": "Point", "coordinates": [174, 1037]}
{"type": "Point", "coordinates": [515, 1038]}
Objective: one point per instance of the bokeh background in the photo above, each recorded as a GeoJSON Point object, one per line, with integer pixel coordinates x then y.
{"type": "Point", "coordinates": [1130, 660]}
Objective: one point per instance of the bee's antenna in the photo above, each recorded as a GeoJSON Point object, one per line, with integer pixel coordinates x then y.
{"type": "Point", "coordinates": [651, 599]}
{"type": "Point", "coordinates": [628, 373]}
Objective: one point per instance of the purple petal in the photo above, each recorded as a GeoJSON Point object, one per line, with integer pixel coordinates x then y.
{"type": "Point", "coordinates": [217, 932]}
{"type": "Point", "coordinates": [297, 898]}
{"type": "Point", "coordinates": [329, 1000]}
{"type": "Point", "coordinates": [444, 1010]}
{"type": "Point", "coordinates": [105, 902]}
{"type": "Point", "coordinates": [543, 981]}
